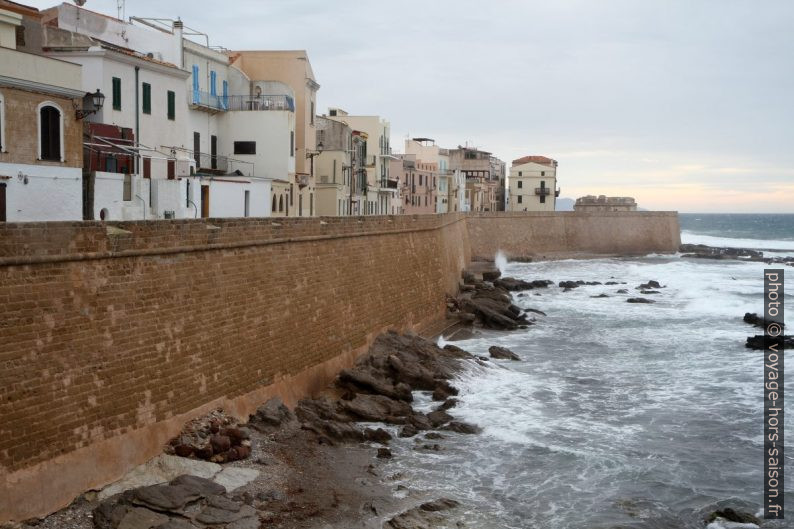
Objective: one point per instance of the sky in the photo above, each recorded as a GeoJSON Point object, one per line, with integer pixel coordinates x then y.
{"type": "Point", "coordinates": [685, 105]}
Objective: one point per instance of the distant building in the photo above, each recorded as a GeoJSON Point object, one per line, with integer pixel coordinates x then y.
{"type": "Point", "coordinates": [426, 151]}
{"type": "Point", "coordinates": [41, 151]}
{"type": "Point", "coordinates": [339, 167]}
{"type": "Point", "coordinates": [418, 184]}
{"type": "Point", "coordinates": [533, 184]}
{"type": "Point", "coordinates": [478, 168]}
{"type": "Point", "coordinates": [604, 203]}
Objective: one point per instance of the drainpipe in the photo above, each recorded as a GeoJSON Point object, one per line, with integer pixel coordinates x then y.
{"type": "Point", "coordinates": [137, 123]}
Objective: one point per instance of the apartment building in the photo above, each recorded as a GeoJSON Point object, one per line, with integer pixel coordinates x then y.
{"type": "Point", "coordinates": [482, 184]}
{"type": "Point", "coordinates": [426, 151]}
{"type": "Point", "coordinates": [533, 184]}
{"type": "Point", "coordinates": [418, 181]}
{"type": "Point", "coordinates": [339, 166]}
{"type": "Point", "coordinates": [41, 154]}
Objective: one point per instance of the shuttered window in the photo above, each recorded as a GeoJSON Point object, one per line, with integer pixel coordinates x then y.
{"type": "Point", "coordinates": [171, 105]}
{"type": "Point", "coordinates": [147, 98]}
{"type": "Point", "coordinates": [50, 122]}
{"type": "Point", "coordinates": [116, 93]}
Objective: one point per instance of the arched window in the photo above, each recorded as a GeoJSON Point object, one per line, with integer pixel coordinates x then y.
{"type": "Point", "coordinates": [281, 203]}
{"type": "Point", "coordinates": [50, 132]}
{"type": "Point", "coordinates": [273, 207]}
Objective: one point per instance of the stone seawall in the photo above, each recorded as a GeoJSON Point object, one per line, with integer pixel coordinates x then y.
{"type": "Point", "coordinates": [113, 336]}
{"type": "Point", "coordinates": [573, 234]}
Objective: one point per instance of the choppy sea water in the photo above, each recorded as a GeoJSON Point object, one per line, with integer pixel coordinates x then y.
{"type": "Point", "coordinates": [618, 415]}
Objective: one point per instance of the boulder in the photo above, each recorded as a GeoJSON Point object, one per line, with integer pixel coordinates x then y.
{"type": "Point", "coordinates": [491, 275]}
{"type": "Point", "coordinates": [757, 342]}
{"type": "Point", "coordinates": [462, 427]}
{"type": "Point", "coordinates": [376, 408]}
{"type": "Point", "coordinates": [165, 496]}
{"type": "Point", "coordinates": [268, 417]}
{"type": "Point", "coordinates": [754, 319]}
{"type": "Point", "coordinates": [439, 417]}
{"type": "Point", "coordinates": [649, 285]}
{"type": "Point", "coordinates": [378, 435]}
{"type": "Point", "coordinates": [733, 516]}
{"type": "Point", "coordinates": [384, 453]}
{"type": "Point", "coordinates": [568, 284]}
{"type": "Point", "coordinates": [622, 291]}
{"type": "Point", "coordinates": [639, 300]}
{"type": "Point", "coordinates": [363, 377]}
{"type": "Point", "coordinates": [649, 292]}
{"type": "Point", "coordinates": [502, 353]}
{"type": "Point", "coordinates": [409, 430]}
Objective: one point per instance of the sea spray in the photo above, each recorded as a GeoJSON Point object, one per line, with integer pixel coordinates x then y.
{"type": "Point", "coordinates": [501, 261]}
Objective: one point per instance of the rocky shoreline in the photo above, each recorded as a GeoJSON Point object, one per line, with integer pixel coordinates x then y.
{"type": "Point", "coordinates": [325, 463]}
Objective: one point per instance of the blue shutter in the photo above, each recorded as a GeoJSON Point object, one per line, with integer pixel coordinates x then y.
{"type": "Point", "coordinates": [225, 95]}
{"type": "Point", "coordinates": [196, 95]}
{"type": "Point", "coordinates": [213, 78]}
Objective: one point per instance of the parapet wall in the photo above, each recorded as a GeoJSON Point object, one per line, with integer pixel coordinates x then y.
{"type": "Point", "coordinates": [113, 336]}
{"type": "Point", "coordinates": [573, 234]}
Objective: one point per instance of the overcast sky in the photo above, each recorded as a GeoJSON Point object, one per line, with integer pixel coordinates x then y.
{"type": "Point", "coordinates": [685, 105]}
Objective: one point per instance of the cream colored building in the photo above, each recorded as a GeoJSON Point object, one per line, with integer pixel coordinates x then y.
{"type": "Point", "coordinates": [426, 151]}
{"type": "Point", "coordinates": [291, 67]}
{"type": "Point", "coordinates": [381, 196]}
{"type": "Point", "coordinates": [533, 184]}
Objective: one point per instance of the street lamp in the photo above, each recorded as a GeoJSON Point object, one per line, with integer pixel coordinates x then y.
{"type": "Point", "coordinates": [97, 100]}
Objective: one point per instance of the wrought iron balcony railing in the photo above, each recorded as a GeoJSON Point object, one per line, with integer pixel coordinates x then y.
{"type": "Point", "coordinates": [222, 103]}
{"type": "Point", "coordinates": [543, 191]}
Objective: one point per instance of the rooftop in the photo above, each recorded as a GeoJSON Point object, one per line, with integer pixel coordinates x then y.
{"type": "Point", "coordinates": [542, 160]}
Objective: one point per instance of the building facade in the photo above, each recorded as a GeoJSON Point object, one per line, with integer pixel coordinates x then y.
{"type": "Point", "coordinates": [477, 166]}
{"type": "Point", "coordinates": [41, 154]}
{"type": "Point", "coordinates": [533, 184]}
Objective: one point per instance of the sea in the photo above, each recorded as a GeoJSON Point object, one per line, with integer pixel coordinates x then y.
{"type": "Point", "coordinates": [618, 415]}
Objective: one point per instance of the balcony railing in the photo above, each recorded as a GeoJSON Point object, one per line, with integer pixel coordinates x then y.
{"type": "Point", "coordinates": [221, 103]}
{"type": "Point", "coordinates": [389, 184]}
{"type": "Point", "coordinates": [543, 191]}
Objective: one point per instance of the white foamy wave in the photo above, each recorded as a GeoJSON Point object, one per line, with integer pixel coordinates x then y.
{"type": "Point", "coordinates": [500, 261]}
{"type": "Point", "coordinates": [688, 237]}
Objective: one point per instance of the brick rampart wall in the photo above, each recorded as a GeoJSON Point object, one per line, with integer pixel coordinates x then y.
{"type": "Point", "coordinates": [112, 337]}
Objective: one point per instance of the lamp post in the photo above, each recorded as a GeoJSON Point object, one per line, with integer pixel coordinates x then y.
{"type": "Point", "coordinates": [97, 101]}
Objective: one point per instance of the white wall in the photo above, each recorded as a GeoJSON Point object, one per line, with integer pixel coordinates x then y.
{"type": "Point", "coordinates": [227, 198]}
{"type": "Point", "coordinates": [270, 129]}
{"type": "Point", "coordinates": [44, 193]}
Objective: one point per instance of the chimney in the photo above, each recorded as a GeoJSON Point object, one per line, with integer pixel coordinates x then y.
{"type": "Point", "coordinates": [178, 28]}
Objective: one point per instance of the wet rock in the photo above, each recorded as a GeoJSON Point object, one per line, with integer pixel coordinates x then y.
{"type": "Point", "coordinates": [363, 378]}
{"type": "Point", "coordinates": [378, 435]}
{"type": "Point", "coordinates": [429, 514]}
{"type": "Point", "coordinates": [462, 427]}
{"type": "Point", "coordinates": [611, 283]}
{"type": "Point", "coordinates": [733, 516]}
{"type": "Point", "coordinates": [447, 404]}
{"type": "Point", "coordinates": [514, 285]}
{"type": "Point", "coordinates": [384, 453]}
{"type": "Point", "coordinates": [420, 421]}
{"type": "Point", "coordinates": [649, 292]}
{"type": "Point", "coordinates": [441, 504]}
{"type": "Point", "coordinates": [757, 342]}
{"type": "Point", "coordinates": [439, 417]}
{"type": "Point", "coordinates": [649, 285]}
{"type": "Point", "coordinates": [754, 319]}
{"type": "Point", "coordinates": [600, 296]}
{"type": "Point", "coordinates": [568, 284]}
{"type": "Point", "coordinates": [502, 353]}
{"type": "Point", "coordinates": [639, 300]}
{"type": "Point", "coordinates": [434, 436]}
{"type": "Point", "coordinates": [375, 408]}
{"type": "Point", "coordinates": [622, 291]}
{"type": "Point", "coordinates": [409, 430]}
{"type": "Point", "coordinates": [491, 275]}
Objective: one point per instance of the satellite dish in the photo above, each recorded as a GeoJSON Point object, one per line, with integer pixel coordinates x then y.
{"type": "Point", "coordinates": [80, 3]}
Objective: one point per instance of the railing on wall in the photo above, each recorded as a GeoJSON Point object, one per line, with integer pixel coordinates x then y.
{"type": "Point", "coordinates": [223, 103]}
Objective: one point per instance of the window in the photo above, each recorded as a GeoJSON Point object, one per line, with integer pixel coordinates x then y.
{"type": "Point", "coordinates": [225, 100]}
{"type": "Point", "coordinates": [312, 118]}
{"type": "Point", "coordinates": [213, 81]}
{"type": "Point", "coordinates": [245, 147]}
{"type": "Point", "coordinates": [171, 105]}
{"type": "Point", "coordinates": [520, 199]}
{"type": "Point", "coordinates": [196, 95]}
{"type": "Point", "coordinates": [543, 173]}
{"type": "Point", "coordinates": [292, 144]}
{"type": "Point", "coordinates": [519, 173]}
{"type": "Point", "coordinates": [542, 184]}
{"type": "Point", "coordinates": [116, 93]}
{"type": "Point", "coordinates": [273, 205]}
{"type": "Point", "coordinates": [281, 203]}
{"type": "Point", "coordinates": [542, 199]}
{"type": "Point", "coordinates": [520, 184]}
{"type": "Point", "coordinates": [147, 98]}
{"type": "Point", "coordinates": [50, 133]}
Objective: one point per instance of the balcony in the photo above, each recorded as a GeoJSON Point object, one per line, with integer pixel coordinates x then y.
{"type": "Point", "coordinates": [220, 103]}
{"type": "Point", "coordinates": [302, 180]}
{"type": "Point", "coordinates": [543, 191]}
{"type": "Point", "coordinates": [390, 184]}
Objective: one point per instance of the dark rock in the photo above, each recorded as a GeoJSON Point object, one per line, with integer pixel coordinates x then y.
{"type": "Point", "coordinates": [165, 496]}
{"type": "Point", "coordinates": [376, 408]}
{"type": "Point", "coordinates": [362, 377]}
{"type": "Point", "coordinates": [568, 284]}
{"type": "Point", "coordinates": [378, 435]}
{"type": "Point", "coordinates": [199, 486]}
{"type": "Point", "coordinates": [502, 353]}
{"type": "Point", "coordinates": [733, 516]}
{"type": "Point", "coordinates": [462, 427]}
{"type": "Point", "coordinates": [270, 416]}
{"type": "Point", "coordinates": [409, 430]}
{"type": "Point", "coordinates": [514, 285]}
{"type": "Point", "coordinates": [222, 502]}
{"type": "Point", "coordinates": [639, 300]}
{"type": "Point", "coordinates": [600, 296]}
{"type": "Point", "coordinates": [441, 504]}
{"type": "Point", "coordinates": [781, 342]}
{"type": "Point", "coordinates": [439, 417]}
{"type": "Point", "coordinates": [108, 514]}
{"type": "Point", "coordinates": [491, 275]}
{"type": "Point", "coordinates": [649, 292]}
{"type": "Point", "coordinates": [466, 317]}
{"type": "Point", "coordinates": [535, 311]}
{"type": "Point", "coordinates": [220, 443]}
{"type": "Point", "coordinates": [183, 450]}
{"type": "Point", "coordinates": [754, 319]}
{"type": "Point", "coordinates": [238, 435]}
{"type": "Point", "coordinates": [203, 452]}
{"type": "Point", "coordinates": [434, 436]}
{"type": "Point", "coordinates": [447, 404]}
{"type": "Point", "coordinates": [649, 285]}
{"type": "Point", "coordinates": [611, 283]}
{"type": "Point", "coordinates": [384, 453]}
{"type": "Point", "coordinates": [213, 515]}
{"type": "Point", "coordinates": [420, 421]}
{"type": "Point", "coordinates": [622, 291]}
{"type": "Point", "coordinates": [271, 495]}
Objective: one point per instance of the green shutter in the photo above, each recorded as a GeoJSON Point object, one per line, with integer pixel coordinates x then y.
{"type": "Point", "coordinates": [171, 105]}
{"type": "Point", "coordinates": [147, 98]}
{"type": "Point", "coordinates": [116, 93]}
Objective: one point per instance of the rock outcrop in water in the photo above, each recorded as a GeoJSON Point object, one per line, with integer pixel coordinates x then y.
{"type": "Point", "coordinates": [701, 251]}
{"type": "Point", "coordinates": [757, 342]}
{"type": "Point", "coordinates": [754, 319]}
{"type": "Point", "coordinates": [731, 515]}
{"type": "Point", "coordinates": [502, 353]}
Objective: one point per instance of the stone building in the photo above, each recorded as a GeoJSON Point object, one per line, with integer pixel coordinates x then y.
{"type": "Point", "coordinates": [604, 203]}
{"type": "Point", "coordinates": [533, 184]}
{"type": "Point", "coordinates": [478, 169]}
{"type": "Point", "coordinates": [339, 167]}
{"type": "Point", "coordinates": [418, 184]}
{"type": "Point", "coordinates": [41, 153]}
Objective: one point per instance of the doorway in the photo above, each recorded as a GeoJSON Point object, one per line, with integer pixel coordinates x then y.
{"type": "Point", "coordinates": [205, 202]}
{"type": "Point", "coordinates": [213, 152]}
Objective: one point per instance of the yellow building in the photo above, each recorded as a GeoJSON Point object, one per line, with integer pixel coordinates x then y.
{"type": "Point", "coordinates": [533, 184]}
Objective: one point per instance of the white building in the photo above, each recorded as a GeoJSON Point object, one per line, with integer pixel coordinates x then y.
{"type": "Point", "coordinates": [533, 184]}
